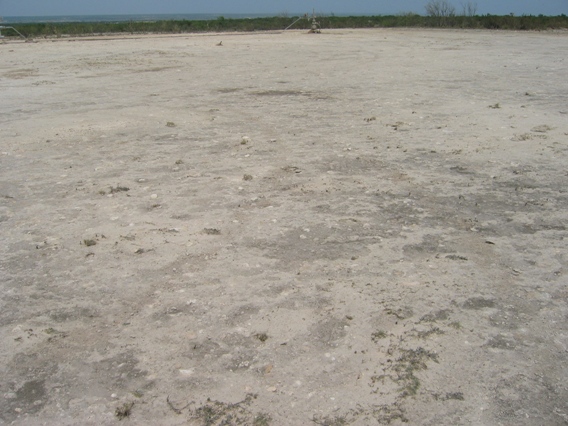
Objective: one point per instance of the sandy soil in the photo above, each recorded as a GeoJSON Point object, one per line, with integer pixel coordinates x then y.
{"type": "Point", "coordinates": [351, 228]}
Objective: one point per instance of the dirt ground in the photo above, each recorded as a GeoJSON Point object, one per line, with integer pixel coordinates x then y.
{"type": "Point", "coordinates": [349, 228]}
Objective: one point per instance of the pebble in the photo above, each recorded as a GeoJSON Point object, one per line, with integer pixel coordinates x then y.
{"type": "Point", "coordinates": [154, 196]}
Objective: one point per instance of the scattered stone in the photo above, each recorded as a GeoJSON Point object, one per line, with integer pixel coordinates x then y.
{"type": "Point", "coordinates": [247, 177]}
{"type": "Point", "coordinates": [170, 124]}
{"type": "Point", "coordinates": [89, 243]}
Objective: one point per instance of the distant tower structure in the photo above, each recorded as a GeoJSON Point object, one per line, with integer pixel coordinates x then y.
{"type": "Point", "coordinates": [316, 27]}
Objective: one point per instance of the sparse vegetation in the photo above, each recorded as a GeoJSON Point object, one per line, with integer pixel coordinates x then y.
{"type": "Point", "coordinates": [427, 333]}
{"type": "Point", "coordinates": [124, 410]}
{"type": "Point", "coordinates": [214, 413]}
{"type": "Point", "coordinates": [329, 421]}
{"type": "Point", "coordinates": [261, 419]}
{"type": "Point", "coordinates": [263, 337]}
{"type": "Point", "coordinates": [410, 361]}
{"type": "Point", "coordinates": [212, 231]}
{"type": "Point", "coordinates": [119, 188]}
{"type": "Point", "coordinates": [378, 335]}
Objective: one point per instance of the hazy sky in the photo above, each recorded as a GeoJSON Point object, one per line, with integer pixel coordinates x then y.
{"type": "Point", "coordinates": [276, 7]}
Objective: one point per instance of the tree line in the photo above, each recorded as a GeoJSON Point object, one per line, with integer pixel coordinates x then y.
{"type": "Point", "coordinates": [435, 18]}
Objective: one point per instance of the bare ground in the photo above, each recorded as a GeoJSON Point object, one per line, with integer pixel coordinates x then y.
{"type": "Point", "coordinates": [351, 228]}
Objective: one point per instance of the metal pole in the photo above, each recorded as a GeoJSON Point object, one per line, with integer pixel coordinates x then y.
{"type": "Point", "coordinates": [11, 28]}
{"type": "Point", "coordinates": [301, 17]}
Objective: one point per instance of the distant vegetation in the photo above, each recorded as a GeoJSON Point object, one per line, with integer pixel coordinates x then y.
{"type": "Point", "coordinates": [433, 20]}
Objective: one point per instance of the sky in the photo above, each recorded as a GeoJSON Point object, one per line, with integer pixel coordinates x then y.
{"type": "Point", "coordinates": [274, 7]}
